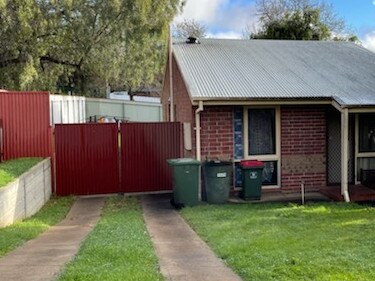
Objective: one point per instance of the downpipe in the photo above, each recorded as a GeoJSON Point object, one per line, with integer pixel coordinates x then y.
{"type": "Point", "coordinates": [198, 143]}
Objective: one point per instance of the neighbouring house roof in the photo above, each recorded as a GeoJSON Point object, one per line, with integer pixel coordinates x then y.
{"type": "Point", "coordinates": [223, 69]}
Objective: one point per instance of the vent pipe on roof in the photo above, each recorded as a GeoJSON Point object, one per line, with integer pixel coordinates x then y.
{"type": "Point", "coordinates": [192, 40]}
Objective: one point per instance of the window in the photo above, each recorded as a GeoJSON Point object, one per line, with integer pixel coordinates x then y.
{"type": "Point", "coordinates": [270, 173]}
{"type": "Point", "coordinates": [262, 141]}
{"type": "Point", "coordinates": [367, 133]}
{"type": "Point", "coordinates": [261, 131]}
{"type": "Point", "coordinates": [364, 144]}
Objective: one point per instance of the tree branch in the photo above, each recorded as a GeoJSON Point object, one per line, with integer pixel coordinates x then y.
{"type": "Point", "coordinates": [57, 61]}
{"type": "Point", "coordinates": [42, 59]}
{"type": "Point", "coordinates": [8, 62]}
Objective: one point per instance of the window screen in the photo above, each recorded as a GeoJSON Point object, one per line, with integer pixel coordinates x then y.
{"type": "Point", "coordinates": [262, 131]}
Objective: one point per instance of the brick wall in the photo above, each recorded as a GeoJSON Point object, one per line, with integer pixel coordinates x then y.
{"type": "Point", "coordinates": [217, 132]}
{"type": "Point", "coordinates": [303, 147]}
{"type": "Point", "coordinates": [183, 107]}
{"type": "Point", "coordinates": [184, 112]}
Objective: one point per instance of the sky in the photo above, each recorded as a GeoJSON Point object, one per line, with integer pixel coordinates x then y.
{"type": "Point", "coordinates": [229, 18]}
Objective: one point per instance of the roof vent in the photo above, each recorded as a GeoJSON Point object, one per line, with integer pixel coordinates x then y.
{"type": "Point", "coordinates": [192, 40]}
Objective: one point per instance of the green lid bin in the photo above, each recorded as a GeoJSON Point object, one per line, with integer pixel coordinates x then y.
{"type": "Point", "coordinates": [252, 172]}
{"type": "Point", "coordinates": [185, 181]}
{"type": "Point", "coordinates": [217, 181]}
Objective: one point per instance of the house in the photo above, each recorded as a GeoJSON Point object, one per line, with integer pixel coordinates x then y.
{"type": "Point", "coordinates": [304, 108]}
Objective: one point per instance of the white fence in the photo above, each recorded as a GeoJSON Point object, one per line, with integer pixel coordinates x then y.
{"type": "Point", "coordinates": [125, 110]}
{"type": "Point", "coordinates": [75, 109]}
{"type": "Point", "coordinates": [67, 109]}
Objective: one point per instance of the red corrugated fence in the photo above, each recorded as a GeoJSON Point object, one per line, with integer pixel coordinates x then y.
{"type": "Point", "coordinates": [26, 124]}
{"type": "Point", "coordinates": [86, 159]}
{"type": "Point", "coordinates": [145, 149]}
{"type": "Point", "coordinates": [88, 155]}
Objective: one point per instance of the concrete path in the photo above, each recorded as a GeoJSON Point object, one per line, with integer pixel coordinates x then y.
{"type": "Point", "coordinates": [42, 258]}
{"type": "Point", "coordinates": [182, 254]}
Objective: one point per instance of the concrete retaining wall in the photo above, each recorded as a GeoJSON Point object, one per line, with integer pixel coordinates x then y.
{"type": "Point", "coordinates": [25, 196]}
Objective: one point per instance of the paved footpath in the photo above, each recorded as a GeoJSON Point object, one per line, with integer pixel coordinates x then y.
{"type": "Point", "coordinates": [42, 258]}
{"type": "Point", "coordinates": [183, 256]}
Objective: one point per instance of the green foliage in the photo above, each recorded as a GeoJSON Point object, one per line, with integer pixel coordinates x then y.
{"type": "Point", "coordinates": [299, 20]}
{"type": "Point", "coordinates": [20, 232]}
{"type": "Point", "coordinates": [83, 45]}
{"type": "Point", "coordinates": [322, 241]}
{"type": "Point", "coordinates": [12, 169]}
{"type": "Point", "coordinates": [299, 25]}
{"type": "Point", "coordinates": [350, 38]}
{"type": "Point", "coordinates": [119, 248]}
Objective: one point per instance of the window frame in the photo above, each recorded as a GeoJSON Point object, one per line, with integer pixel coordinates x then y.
{"type": "Point", "coordinates": [357, 153]}
{"type": "Point", "coordinates": [359, 135]}
{"type": "Point", "coordinates": [265, 157]}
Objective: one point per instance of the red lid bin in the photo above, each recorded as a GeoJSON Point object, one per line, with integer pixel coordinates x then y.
{"type": "Point", "coordinates": [251, 164]}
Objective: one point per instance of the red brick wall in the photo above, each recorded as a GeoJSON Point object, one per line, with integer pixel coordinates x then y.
{"type": "Point", "coordinates": [303, 147]}
{"type": "Point", "coordinates": [182, 103]}
{"type": "Point", "coordinates": [217, 133]}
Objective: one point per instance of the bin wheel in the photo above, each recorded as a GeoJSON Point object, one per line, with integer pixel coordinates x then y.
{"type": "Point", "coordinates": [177, 206]}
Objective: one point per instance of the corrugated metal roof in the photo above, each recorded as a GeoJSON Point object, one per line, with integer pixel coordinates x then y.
{"type": "Point", "coordinates": [222, 69]}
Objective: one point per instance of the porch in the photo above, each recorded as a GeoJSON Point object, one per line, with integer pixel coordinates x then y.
{"type": "Point", "coordinates": [357, 193]}
{"type": "Point", "coordinates": [277, 196]}
{"type": "Point", "coordinates": [350, 154]}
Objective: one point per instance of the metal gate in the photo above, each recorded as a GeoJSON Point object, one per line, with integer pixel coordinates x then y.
{"type": "Point", "coordinates": [145, 148]}
{"type": "Point", "coordinates": [88, 157]}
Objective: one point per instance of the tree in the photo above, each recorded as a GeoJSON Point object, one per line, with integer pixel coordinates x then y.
{"type": "Point", "coordinates": [299, 19]}
{"type": "Point", "coordinates": [82, 45]}
{"type": "Point", "coordinates": [270, 10]}
{"type": "Point", "coordinates": [189, 28]}
{"type": "Point", "coordinates": [304, 25]}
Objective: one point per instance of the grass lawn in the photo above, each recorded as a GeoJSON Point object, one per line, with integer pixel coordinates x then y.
{"type": "Point", "coordinates": [119, 247]}
{"type": "Point", "coordinates": [11, 169]}
{"type": "Point", "coordinates": [324, 241]}
{"type": "Point", "coordinates": [18, 233]}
